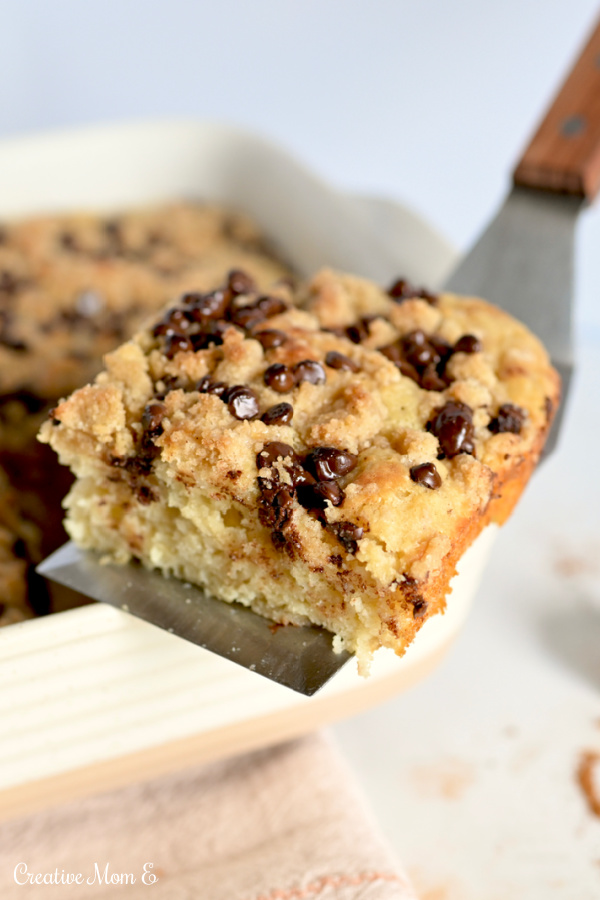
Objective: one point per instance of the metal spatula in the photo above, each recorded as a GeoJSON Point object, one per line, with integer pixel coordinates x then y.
{"type": "Point", "coordinates": [523, 262]}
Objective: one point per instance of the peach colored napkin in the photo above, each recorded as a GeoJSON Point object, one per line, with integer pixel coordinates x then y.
{"type": "Point", "coordinates": [287, 823]}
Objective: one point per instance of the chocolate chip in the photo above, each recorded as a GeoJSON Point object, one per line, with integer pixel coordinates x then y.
{"type": "Point", "coordinates": [271, 306]}
{"type": "Point", "coordinates": [240, 282]}
{"type": "Point", "coordinates": [212, 305]}
{"type": "Point", "coordinates": [271, 338]}
{"type": "Point", "coordinates": [284, 498]}
{"type": "Point", "coordinates": [211, 334]}
{"type": "Point", "coordinates": [177, 343]}
{"type": "Point", "coordinates": [419, 608]}
{"type": "Point", "coordinates": [468, 343]}
{"type": "Point", "coordinates": [402, 290]}
{"type": "Point", "coordinates": [309, 370]}
{"type": "Point", "coordinates": [279, 378]}
{"type": "Point", "coordinates": [316, 496]}
{"type": "Point", "coordinates": [442, 347]}
{"type": "Point", "coordinates": [247, 316]}
{"type": "Point", "coordinates": [242, 402]}
{"type": "Point", "coordinates": [392, 352]}
{"type": "Point", "coordinates": [175, 321]}
{"type": "Point", "coordinates": [431, 381]}
{"type": "Point", "coordinates": [337, 360]}
{"type": "Point", "coordinates": [418, 351]}
{"type": "Point", "coordinates": [509, 418]}
{"type": "Point", "coordinates": [427, 475]}
{"type": "Point", "coordinates": [359, 332]}
{"type": "Point", "coordinates": [327, 463]}
{"type": "Point", "coordinates": [207, 386]}
{"type": "Point", "coordinates": [280, 414]}
{"type": "Point", "coordinates": [453, 427]}
{"type": "Point", "coordinates": [272, 451]}
{"type": "Point", "coordinates": [152, 418]}
{"type": "Point", "coordinates": [409, 371]}
{"type": "Point", "coordinates": [347, 534]}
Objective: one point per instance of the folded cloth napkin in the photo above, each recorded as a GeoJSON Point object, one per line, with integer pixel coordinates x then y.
{"type": "Point", "coordinates": [287, 823]}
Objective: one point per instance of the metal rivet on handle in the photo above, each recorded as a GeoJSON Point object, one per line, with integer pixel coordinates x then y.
{"type": "Point", "coordinates": [573, 126]}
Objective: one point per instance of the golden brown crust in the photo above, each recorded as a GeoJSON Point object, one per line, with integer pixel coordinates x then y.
{"type": "Point", "coordinates": [411, 430]}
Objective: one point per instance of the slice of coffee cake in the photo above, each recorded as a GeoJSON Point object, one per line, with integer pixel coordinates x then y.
{"type": "Point", "coordinates": [325, 455]}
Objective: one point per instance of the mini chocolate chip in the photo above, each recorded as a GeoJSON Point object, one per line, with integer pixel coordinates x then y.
{"type": "Point", "coordinates": [327, 463]}
{"type": "Point", "coordinates": [316, 496]}
{"type": "Point", "coordinates": [427, 475]}
{"type": "Point", "coordinates": [272, 451]}
{"type": "Point", "coordinates": [279, 378]}
{"type": "Point", "coordinates": [337, 360]}
{"type": "Point", "coordinates": [218, 388]}
{"type": "Point", "coordinates": [207, 386]}
{"type": "Point", "coordinates": [548, 407]}
{"type": "Point", "coordinates": [418, 350]}
{"type": "Point", "coordinates": [309, 370]}
{"type": "Point", "coordinates": [271, 338]}
{"type": "Point", "coordinates": [442, 347]}
{"type": "Point", "coordinates": [392, 352]}
{"type": "Point", "coordinates": [468, 343]}
{"type": "Point", "coordinates": [347, 534]}
{"type": "Point", "coordinates": [212, 305]}
{"type": "Point", "coordinates": [175, 321]}
{"type": "Point", "coordinates": [240, 282]}
{"type": "Point", "coordinates": [280, 414]}
{"type": "Point", "coordinates": [358, 332]}
{"type": "Point", "coordinates": [242, 402]}
{"type": "Point", "coordinates": [247, 316]}
{"type": "Point", "coordinates": [177, 343]}
{"type": "Point", "coordinates": [408, 370]}
{"type": "Point", "coordinates": [271, 306]}
{"type": "Point", "coordinates": [301, 477]}
{"type": "Point", "coordinates": [284, 498]}
{"type": "Point", "coordinates": [419, 608]}
{"type": "Point", "coordinates": [402, 290]}
{"type": "Point", "coordinates": [453, 427]}
{"type": "Point", "coordinates": [431, 381]}
{"type": "Point", "coordinates": [211, 332]}
{"type": "Point", "coordinates": [509, 418]}
{"type": "Point", "coordinates": [152, 418]}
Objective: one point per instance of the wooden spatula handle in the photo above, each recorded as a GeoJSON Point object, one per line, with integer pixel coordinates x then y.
{"type": "Point", "coordinates": [564, 154]}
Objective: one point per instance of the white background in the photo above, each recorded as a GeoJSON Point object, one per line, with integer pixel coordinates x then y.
{"type": "Point", "coordinates": [472, 774]}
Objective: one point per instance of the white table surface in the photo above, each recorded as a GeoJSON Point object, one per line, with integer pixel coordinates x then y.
{"type": "Point", "coordinates": [471, 774]}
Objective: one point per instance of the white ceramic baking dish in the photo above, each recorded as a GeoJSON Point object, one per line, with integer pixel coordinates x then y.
{"type": "Point", "coordinates": [93, 698]}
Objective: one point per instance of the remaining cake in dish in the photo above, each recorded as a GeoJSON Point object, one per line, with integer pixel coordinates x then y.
{"type": "Point", "coordinates": [19, 539]}
{"type": "Point", "coordinates": [74, 286]}
{"type": "Point", "coordinates": [322, 455]}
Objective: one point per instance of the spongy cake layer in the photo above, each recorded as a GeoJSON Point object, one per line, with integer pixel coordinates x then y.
{"type": "Point", "coordinates": [325, 455]}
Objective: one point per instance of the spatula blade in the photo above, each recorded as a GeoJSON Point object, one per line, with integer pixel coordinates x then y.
{"type": "Point", "coordinates": [301, 658]}
{"type": "Point", "coordinates": [524, 263]}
